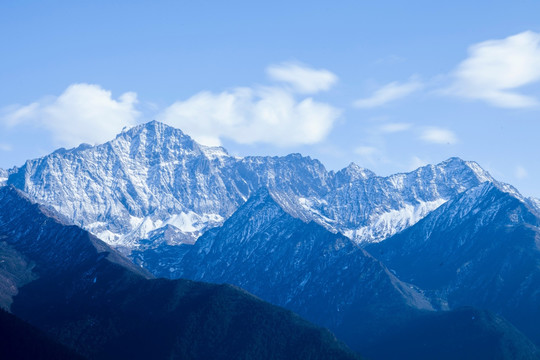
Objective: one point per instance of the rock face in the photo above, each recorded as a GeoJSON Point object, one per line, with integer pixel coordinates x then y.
{"type": "Point", "coordinates": [325, 277]}
{"type": "Point", "coordinates": [480, 249]}
{"type": "Point", "coordinates": [330, 280]}
{"type": "Point", "coordinates": [153, 175]}
{"type": "Point", "coordinates": [88, 297]}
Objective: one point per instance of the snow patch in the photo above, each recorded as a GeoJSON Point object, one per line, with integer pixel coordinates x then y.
{"type": "Point", "coordinates": [214, 152]}
{"type": "Point", "coordinates": [389, 223]}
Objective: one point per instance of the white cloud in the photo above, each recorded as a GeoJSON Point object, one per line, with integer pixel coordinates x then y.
{"type": "Point", "coordinates": [388, 93]}
{"type": "Point", "coordinates": [438, 136]}
{"type": "Point", "coordinates": [496, 68]}
{"type": "Point", "coordinates": [246, 115]}
{"type": "Point", "coordinates": [395, 127]}
{"type": "Point", "coordinates": [303, 79]}
{"type": "Point", "coordinates": [5, 147]}
{"type": "Point", "coordinates": [82, 113]}
{"type": "Point", "coordinates": [521, 172]}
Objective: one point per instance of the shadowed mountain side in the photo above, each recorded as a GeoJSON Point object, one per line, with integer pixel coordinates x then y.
{"type": "Point", "coordinates": [481, 249]}
{"type": "Point", "coordinates": [471, 333]}
{"type": "Point", "coordinates": [325, 277]}
{"type": "Point", "coordinates": [21, 341]}
{"type": "Point", "coordinates": [92, 299]}
{"type": "Point", "coordinates": [333, 282]}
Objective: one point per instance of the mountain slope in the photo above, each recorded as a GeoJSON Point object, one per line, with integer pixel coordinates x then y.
{"type": "Point", "coordinates": [21, 341]}
{"type": "Point", "coordinates": [328, 279]}
{"type": "Point", "coordinates": [465, 333]}
{"type": "Point", "coordinates": [90, 298]}
{"type": "Point", "coordinates": [153, 175]}
{"type": "Point", "coordinates": [481, 249]}
{"type": "Point", "coordinates": [324, 277]}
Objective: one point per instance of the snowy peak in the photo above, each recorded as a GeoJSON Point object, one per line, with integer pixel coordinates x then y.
{"type": "Point", "coordinates": [155, 141]}
{"type": "Point", "coordinates": [153, 129]}
{"type": "Point", "coordinates": [353, 173]}
{"type": "Point", "coordinates": [154, 136]}
{"type": "Point", "coordinates": [154, 175]}
{"type": "Point", "coordinates": [483, 203]}
{"type": "Point", "coordinates": [453, 174]}
{"type": "Point", "coordinates": [370, 209]}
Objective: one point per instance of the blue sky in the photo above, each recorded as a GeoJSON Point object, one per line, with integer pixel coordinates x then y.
{"type": "Point", "coordinates": [389, 85]}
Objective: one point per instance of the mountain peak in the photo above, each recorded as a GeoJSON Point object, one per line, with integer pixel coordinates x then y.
{"type": "Point", "coordinates": [260, 198]}
{"type": "Point", "coordinates": [355, 172]}
{"type": "Point", "coordinates": [151, 127]}
{"type": "Point", "coordinates": [458, 164]}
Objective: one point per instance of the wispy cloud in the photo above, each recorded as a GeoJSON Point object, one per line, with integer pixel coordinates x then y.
{"type": "Point", "coordinates": [437, 135]}
{"type": "Point", "coordinates": [302, 78]}
{"type": "Point", "coordinates": [388, 93]}
{"type": "Point", "coordinates": [495, 69]}
{"type": "Point", "coordinates": [5, 147]}
{"type": "Point", "coordinates": [395, 127]}
{"type": "Point", "coordinates": [82, 113]}
{"type": "Point", "coordinates": [493, 72]}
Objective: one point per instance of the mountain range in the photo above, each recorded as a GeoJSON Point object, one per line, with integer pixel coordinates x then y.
{"type": "Point", "coordinates": [90, 298]}
{"type": "Point", "coordinates": [154, 175]}
{"type": "Point", "coordinates": [435, 261]}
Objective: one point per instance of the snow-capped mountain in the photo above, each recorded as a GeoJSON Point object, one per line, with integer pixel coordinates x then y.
{"type": "Point", "coordinates": [479, 249]}
{"type": "Point", "coordinates": [153, 176]}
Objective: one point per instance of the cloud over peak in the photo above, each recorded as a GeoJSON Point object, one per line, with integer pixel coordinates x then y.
{"type": "Point", "coordinates": [275, 115]}
{"type": "Point", "coordinates": [247, 116]}
{"type": "Point", "coordinates": [82, 113]}
{"type": "Point", "coordinates": [301, 78]}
